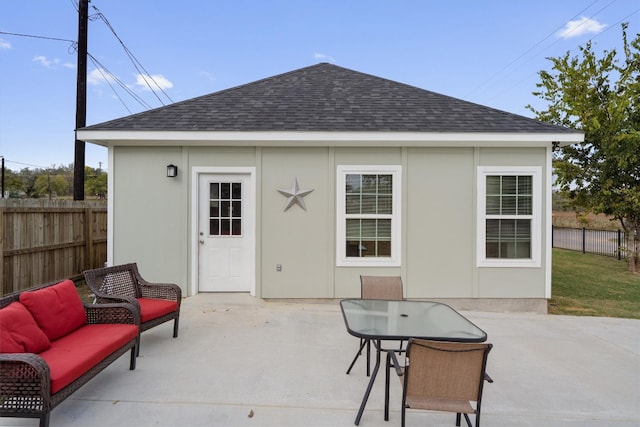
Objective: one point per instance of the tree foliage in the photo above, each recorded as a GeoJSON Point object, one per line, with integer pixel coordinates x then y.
{"type": "Point", "coordinates": [601, 97]}
{"type": "Point", "coordinates": [54, 182]}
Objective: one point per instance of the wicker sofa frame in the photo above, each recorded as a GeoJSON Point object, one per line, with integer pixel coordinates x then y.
{"type": "Point", "coordinates": [123, 283]}
{"type": "Point", "coordinates": [25, 377]}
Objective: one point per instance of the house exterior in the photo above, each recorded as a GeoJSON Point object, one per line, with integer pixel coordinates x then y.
{"type": "Point", "coordinates": [295, 185]}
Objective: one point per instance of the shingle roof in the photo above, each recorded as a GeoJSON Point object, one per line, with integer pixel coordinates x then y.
{"type": "Point", "coordinates": [326, 97]}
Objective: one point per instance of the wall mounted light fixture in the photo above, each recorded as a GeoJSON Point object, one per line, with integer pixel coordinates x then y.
{"type": "Point", "coordinates": [172, 171]}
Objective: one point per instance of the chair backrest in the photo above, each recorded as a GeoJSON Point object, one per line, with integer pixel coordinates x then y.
{"type": "Point", "coordinates": [381, 287]}
{"type": "Point", "coordinates": [116, 280]}
{"type": "Point", "coordinates": [445, 370]}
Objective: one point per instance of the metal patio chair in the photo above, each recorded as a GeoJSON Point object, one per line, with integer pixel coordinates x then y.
{"type": "Point", "coordinates": [377, 287]}
{"type": "Point", "coordinates": [443, 376]}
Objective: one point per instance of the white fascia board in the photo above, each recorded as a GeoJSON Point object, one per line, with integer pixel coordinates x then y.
{"type": "Point", "coordinates": [409, 139]}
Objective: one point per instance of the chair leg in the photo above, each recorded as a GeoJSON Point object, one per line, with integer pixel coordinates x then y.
{"type": "Point", "coordinates": [175, 327]}
{"type": "Point", "coordinates": [458, 419]}
{"type": "Point", "coordinates": [134, 355]}
{"type": "Point", "coordinates": [137, 348]}
{"type": "Point", "coordinates": [44, 420]}
{"type": "Point", "coordinates": [466, 418]}
{"type": "Point", "coordinates": [368, 357]}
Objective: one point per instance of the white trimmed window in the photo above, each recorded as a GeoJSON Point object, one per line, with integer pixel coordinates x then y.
{"type": "Point", "coordinates": [509, 210]}
{"type": "Point", "coordinates": [368, 215]}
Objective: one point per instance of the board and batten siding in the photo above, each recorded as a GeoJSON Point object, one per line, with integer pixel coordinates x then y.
{"type": "Point", "coordinates": [153, 215]}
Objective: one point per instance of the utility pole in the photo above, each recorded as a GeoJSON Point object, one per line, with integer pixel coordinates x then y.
{"type": "Point", "coordinates": [81, 99]}
{"type": "Point", "coordinates": [2, 176]}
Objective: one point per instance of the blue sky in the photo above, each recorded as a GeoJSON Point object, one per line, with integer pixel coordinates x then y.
{"type": "Point", "coordinates": [483, 51]}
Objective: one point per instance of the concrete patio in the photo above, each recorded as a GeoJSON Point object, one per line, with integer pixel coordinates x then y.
{"type": "Point", "coordinates": [242, 361]}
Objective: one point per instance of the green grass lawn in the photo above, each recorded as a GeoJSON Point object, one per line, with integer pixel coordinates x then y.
{"type": "Point", "coordinates": [593, 285]}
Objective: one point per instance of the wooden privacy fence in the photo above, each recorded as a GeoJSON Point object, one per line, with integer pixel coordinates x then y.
{"type": "Point", "coordinates": [47, 240]}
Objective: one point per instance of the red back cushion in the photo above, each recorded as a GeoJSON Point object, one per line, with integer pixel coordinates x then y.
{"type": "Point", "coordinates": [58, 309]}
{"type": "Point", "coordinates": [19, 332]}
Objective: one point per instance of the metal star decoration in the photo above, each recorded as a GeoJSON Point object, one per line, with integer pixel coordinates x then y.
{"type": "Point", "coordinates": [295, 196]}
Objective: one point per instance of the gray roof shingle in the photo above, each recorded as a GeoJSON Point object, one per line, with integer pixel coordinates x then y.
{"type": "Point", "coordinates": [326, 97]}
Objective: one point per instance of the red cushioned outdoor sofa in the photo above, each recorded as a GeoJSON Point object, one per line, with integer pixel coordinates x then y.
{"type": "Point", "coordinates": [51, 344]}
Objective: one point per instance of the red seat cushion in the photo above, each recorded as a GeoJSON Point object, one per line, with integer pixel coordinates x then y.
{"type": "Point", "coordinates": [58, 309]}
{"type": "Point", "coordinates": [153, 308]}
{"type": "Point", "coordinates": [76, 353]}
{"type": "Point", "coordinates": [19, 332]}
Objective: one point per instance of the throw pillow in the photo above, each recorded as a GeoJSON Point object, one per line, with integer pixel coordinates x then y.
{"type": "Point", "coordinates": [58, 309]}
{"type": "Point", "coordinates": [19, 332]}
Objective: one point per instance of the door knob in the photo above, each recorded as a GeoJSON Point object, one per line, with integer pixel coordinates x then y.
{"type": "Point", "coordinates": [202, 242]}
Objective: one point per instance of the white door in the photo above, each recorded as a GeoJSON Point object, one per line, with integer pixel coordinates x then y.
{"type": "Point", "coordinates": [225, 234]}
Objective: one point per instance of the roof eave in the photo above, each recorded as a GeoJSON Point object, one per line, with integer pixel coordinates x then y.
{"type": "Point", "coordinates": [240, 138]}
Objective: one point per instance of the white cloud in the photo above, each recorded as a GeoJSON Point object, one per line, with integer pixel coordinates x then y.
{"type": "Point", "coordinates": [46, 62]}
{"type": "Point", "coordinates": [4, 44]}
{"type": "Point", "coordinates": [207, 75]}
{"type": "Point", "coordinates": [322, 57]}
{"type": "Point", "coordinates": [97, 77]}
{"type": "Point", "coordinates": [143, 82]}
{"type": "Point", "coordinates": [582, 26]}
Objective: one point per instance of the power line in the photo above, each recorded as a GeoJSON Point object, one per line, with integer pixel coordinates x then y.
{"type": "Point", "coordinates": [102, 69]}
{"type": "Point", "coordinates": [37, 37]}
{"type": "Point", "coordinates": [138, 66]}
{"type": "Point", "coordinates": [477, 88]}
{"type": "Point", "coordinates": [520, 81]}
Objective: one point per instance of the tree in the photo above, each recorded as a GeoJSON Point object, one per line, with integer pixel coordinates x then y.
{"type": "Point", "coordinates": [601, 97]}
{"type": "Point", "coordinates": [51, 185]}
{"type": "Point", "coordinates": [95, 183]}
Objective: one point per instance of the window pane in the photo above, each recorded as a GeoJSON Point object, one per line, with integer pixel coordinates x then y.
{"type": "Point", "coordinates": [352, 184]}
{"type": "Point", "coordinates": [368, 248]}
{"type": "Point", "coordinates": [369, 228]}
{"type": "Point", "coordinates": [525, 205]}
{"type": "Point", "coordinates": [384, 249]}
{"type": "Point", "coordinates": [225, 190]}
{"type": "Point", "coordinates": [352, 248]}
{"type": "Point", "coordinates": [523, 229]}
{"type": "Point", "coordinates": [353, 229]}
{"type": "Point", "coordinates": [509, 184]}
{"type": "Point", "coordinates": [225, 211]}
{"type": "Point", "coordinates": [522, 250]}
{"type": "Point", "coordinates": [368, 204]}
{"type": "Point", "coordinates": [236, 210]}
{"type": "Point", "coordinates": [385, 204]}
{"type": "Point", "coordinates": [508, 205]}
{"type": "Point", "coordinates": [525, 185]}
{"type": "Point", "coordinates": [214, 190]}
{"type": "Point", "coordinates": [384, 229]}
{"type": "Point", "coordinates": [369, 184]}
{"type": "Point", "coordinates": [214, 208]}
{"type": "Point", "coordinates": [225, 227]}
{"type": "Point", "coordinates": [493, 184]}
{"type": "Point", "coordinates": [493, 205]}
{"type": "Point", "coordinates": [385, 184]}
{"type": "Point", "coordinates": [214, 227]}
{"type": "Point", "coordinates": [236, 227]}
{"type": "Point", "coordinates": [236, 190]}
{"type": "Point", "coordinates": [352, 205]}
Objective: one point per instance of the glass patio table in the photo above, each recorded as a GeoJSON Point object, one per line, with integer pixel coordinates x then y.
{"type": "Point", "coordinates": [382, 320]}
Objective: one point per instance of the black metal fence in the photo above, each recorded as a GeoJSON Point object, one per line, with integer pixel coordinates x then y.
{"type": "Point", "coordinates": [600, 242]}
